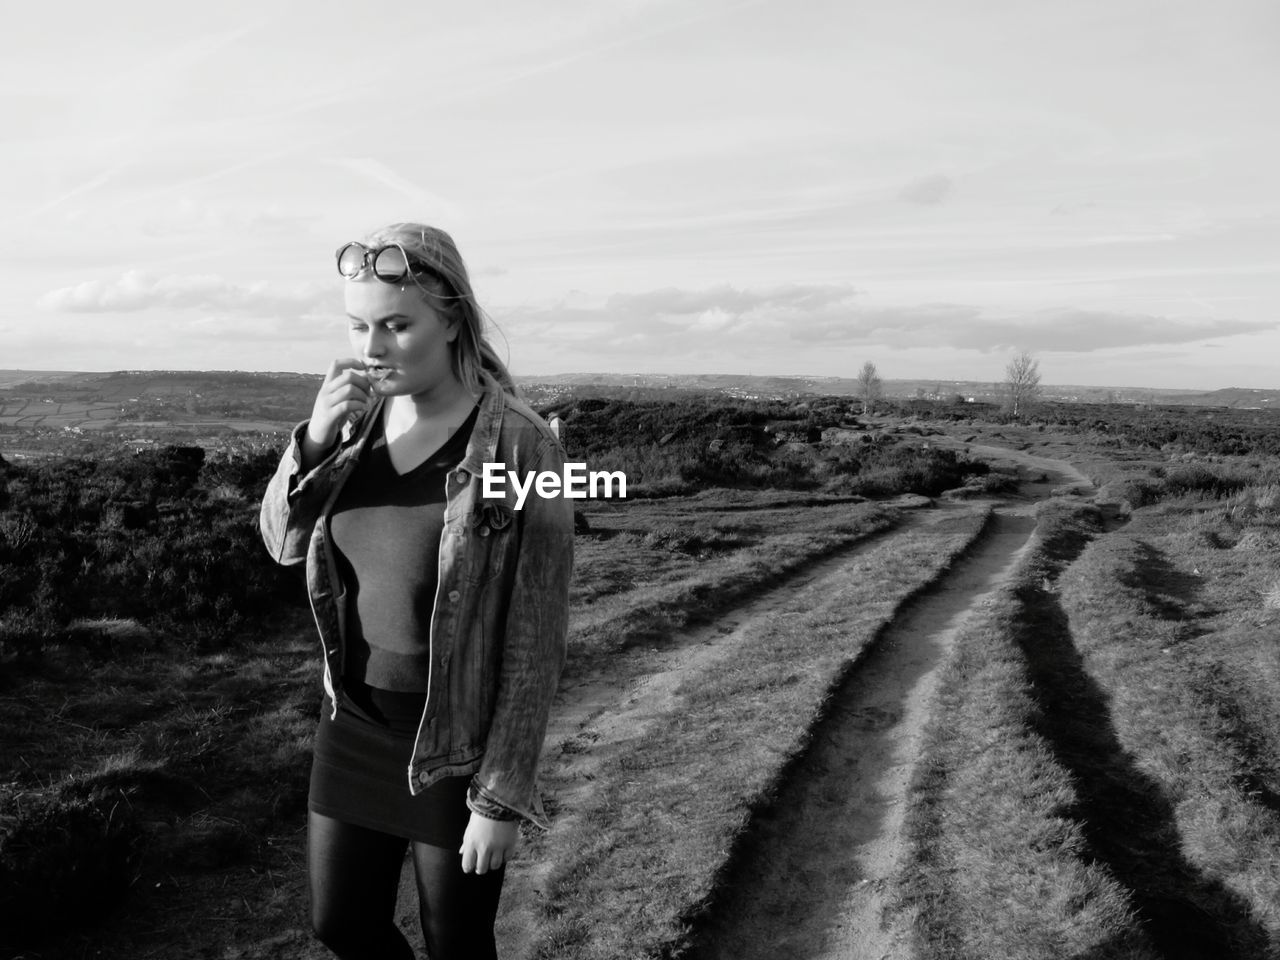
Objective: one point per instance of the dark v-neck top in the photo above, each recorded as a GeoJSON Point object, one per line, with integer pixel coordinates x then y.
{"type": "Point", "coordinates": [386, 528]}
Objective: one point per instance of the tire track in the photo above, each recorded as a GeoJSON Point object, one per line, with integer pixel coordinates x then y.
{"type": "Point", "coordinates": [580, 704]}
{"type": "Point", "coordinates": [598, 719]}
{"type": "Point", "coordinates": [808, 879]}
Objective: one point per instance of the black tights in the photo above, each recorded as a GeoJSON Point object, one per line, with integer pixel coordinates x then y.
{"type": "Point", "coordinates": [355, 877]}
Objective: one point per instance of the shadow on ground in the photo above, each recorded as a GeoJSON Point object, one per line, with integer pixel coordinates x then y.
{"type": "Point", "coordinates": [1128, 817]}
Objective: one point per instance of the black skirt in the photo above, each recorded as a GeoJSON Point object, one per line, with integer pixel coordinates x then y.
{"type": "Point", "coordinates": [360, 775]}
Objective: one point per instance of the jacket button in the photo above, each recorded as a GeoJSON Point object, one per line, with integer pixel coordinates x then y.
{"type": "Point", "coordinates": [460, 476]}
{"type": "Point", "coordinates": [423, 777]}
{"type": "Point", "coordinates": [484, 531]}
{"type": "Point", "coordinates": [453, 596]}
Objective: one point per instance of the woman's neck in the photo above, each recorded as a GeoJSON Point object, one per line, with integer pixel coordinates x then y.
{"type": "Point", "coordinates": [443, 402]}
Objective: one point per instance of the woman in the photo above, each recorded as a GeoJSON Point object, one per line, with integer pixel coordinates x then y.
{"type": "Point", "coordinates": [442, 613]}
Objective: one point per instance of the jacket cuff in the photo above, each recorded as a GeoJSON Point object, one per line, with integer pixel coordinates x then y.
{"type": "Point", "coordinates": [298, 480]}
{"type": "Point", "coordinates": [478, 801]}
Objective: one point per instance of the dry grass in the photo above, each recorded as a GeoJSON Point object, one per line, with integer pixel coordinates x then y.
{"type": "Point", "coordinates": [1194, 690]}
{"type": "Point", "coordinates": [212, 752]}
{"type": "Point", "coordinates": [637, 584]}
{"type": "Point", "coordinates": [203, 759]}
{"type": "Point", "coordinates": [646, 839]}
{"type": "Point", "coordinates": [997, 864]}
{"type": "Point", "coordinates": [1101, 777]}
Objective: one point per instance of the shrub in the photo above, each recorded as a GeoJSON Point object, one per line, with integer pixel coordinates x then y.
{"type": "Point", "coordinates": [691, 540]}
{"type": "Point", "coordinates": [889, 471]}
{"type": "Point", "coordinates": [22, 633]}
{"type": "Point", "coordinates": [1135, 491]}
{"type": "Point", "coordinates": [147, 537]}
{"type": "Point", "coordinates": [63, 860]}
{"type": "Point", "coordinates": [1198, 479]}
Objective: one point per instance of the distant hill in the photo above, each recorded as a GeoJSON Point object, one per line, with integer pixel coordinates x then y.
{"type": "Point", "coordinates": [287, 397]}
{"type": "Point", "coordinates": [11, 378]}
{"type": "Point", "coordinates": [765, 386]}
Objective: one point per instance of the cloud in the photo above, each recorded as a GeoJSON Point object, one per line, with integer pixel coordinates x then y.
{"type": "Point", "coordinates": [433, 207]}
{"type": "Point", "coordinates": [722, 320]}
{"type": "Point", "coordinates": [673, 302]}
{"type": "Point", "coordinates": [928, 191]}
{"type": "Point", "coordinates": [1087, 330]}
{"type": "Point", "coordinates": [1057, 330]}
{"type": "Point", "coordinates": [137, 290]}
{"type": "Point", "coordinates": [188, 216]}
{"type": "Point", "coordinates": [834, 316]}
{"type": "Point", "coordinates": [1067, 208]}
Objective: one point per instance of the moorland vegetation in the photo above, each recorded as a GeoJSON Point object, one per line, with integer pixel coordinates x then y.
{"type": "Point", "coordinates": [134, 591]}
{"type": "Point", "coordinates": [159, 694]}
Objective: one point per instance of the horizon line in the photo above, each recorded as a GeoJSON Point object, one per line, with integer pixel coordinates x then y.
{"type": "Point", "coordinates": [539, 377]}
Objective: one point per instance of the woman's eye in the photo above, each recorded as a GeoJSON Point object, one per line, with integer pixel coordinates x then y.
{"type": "Point", "coordinates": [358, 328]}
{"type": "Point", "coordinates": [397, 327]}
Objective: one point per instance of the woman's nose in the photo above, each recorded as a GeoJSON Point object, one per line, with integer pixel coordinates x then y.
{"type": "Point", "coordinates": [375, 344]}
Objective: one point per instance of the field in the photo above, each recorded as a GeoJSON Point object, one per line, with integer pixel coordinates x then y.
{"type": "Point", "coordinates": [1035, 716]}
{"type": "Point", "coordinates": [141, 404]}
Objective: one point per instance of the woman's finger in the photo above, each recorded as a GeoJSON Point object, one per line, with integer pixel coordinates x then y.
{"type": "Point", "coordinates": [468, 857]}
{"type": "Point", "coordinates": [349, 391]}
{"type": "Point", "coordinates": [339, 366]}
{"type": "Point", "coordinates": [346, 383]}
{"type": "Point", "coordinates": [357, 375]}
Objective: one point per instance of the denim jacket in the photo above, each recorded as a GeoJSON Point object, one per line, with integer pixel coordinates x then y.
{"type": "Point", "coordinates": [499, 623]}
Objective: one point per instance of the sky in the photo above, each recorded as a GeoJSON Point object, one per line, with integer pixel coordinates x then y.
{"type": "Point", "coordinates": [655, 186]}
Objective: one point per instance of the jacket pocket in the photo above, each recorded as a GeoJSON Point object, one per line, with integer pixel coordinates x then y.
{"type": "Point", "coordinates": [489, 533]}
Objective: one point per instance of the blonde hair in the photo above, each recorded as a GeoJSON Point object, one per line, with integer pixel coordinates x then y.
{"type": "Point", "coordinates": [447, 288]}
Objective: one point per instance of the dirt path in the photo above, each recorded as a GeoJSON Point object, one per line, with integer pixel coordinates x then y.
{"type": "Point", "coordinates": [1059, 473]}
{"type": "Point", "coordinates": [811, 881]}
{"type": "Point", "coordinates": [810, 878]}
{"type": "Point", "coordinates": [610, 716]}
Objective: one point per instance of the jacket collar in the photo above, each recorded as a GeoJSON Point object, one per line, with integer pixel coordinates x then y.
{"type": "Point", "coordinates": [482, 448]}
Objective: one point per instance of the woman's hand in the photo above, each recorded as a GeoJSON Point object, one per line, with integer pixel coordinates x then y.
{"type": "Point", "coordinates": [488, 844]}
{"type": "Point", "coordinates": [345, 391]}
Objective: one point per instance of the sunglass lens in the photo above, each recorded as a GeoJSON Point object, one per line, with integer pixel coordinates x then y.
{"type": "Point", "coordinates": [351, 260]}
{"type": "Point", "coordinates": [390, 264]}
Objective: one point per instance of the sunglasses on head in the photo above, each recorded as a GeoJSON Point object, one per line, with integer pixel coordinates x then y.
{"type": "Point", "coordinates": [389, 262]}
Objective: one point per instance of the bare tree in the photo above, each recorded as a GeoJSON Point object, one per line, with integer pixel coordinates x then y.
{"type": "Point", "coordinates": [1021, 383]}
{"type": "Point", "coordinates": [869, 387]}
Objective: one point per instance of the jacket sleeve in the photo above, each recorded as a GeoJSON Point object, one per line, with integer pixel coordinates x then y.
{"type": "Point", "coordinates": [533, 654]}
{"type": "Point", "coordinates": [292, 502]}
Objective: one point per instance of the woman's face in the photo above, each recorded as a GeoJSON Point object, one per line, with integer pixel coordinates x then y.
{"type": "Point", "coordinates": [402, 341]}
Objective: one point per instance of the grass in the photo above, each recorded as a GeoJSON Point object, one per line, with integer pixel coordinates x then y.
{"type": "Point", "coordinates": [210, 753]}
{"type": "Point", "coordinates": [1100, 777]}
{"type": "Point", "coordinates": [651, 832]}
{"type": "Point", "coordinates": [638, 583]}
{"type": "Point", "coordinates": [996, 864]}
{"type": "Point", "coordinates": [1193, 692]}
{"type": "Point", "coordinates": [156, 773]}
